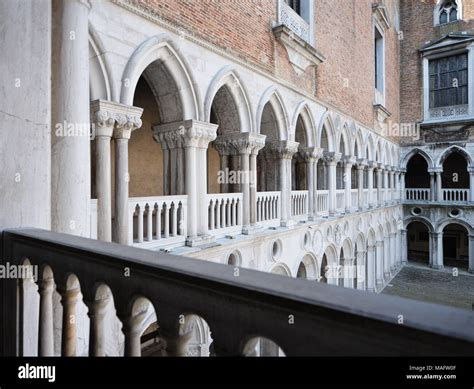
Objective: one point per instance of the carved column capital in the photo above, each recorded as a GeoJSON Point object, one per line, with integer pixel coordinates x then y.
{"type": "Point", "coordinates": [331, 158]}
{"type": "Point", "coordinates": [284, 149]}
{"type": "Point", "coordinates": [187, 133]}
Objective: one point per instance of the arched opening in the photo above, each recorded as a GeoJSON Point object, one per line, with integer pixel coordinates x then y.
{"type": "Point", "coordinates": [323, 275]}
{"type": "Point", "coordinates": [235, 258]}
{"type": "Point", "coordinates": [417, 175]}
{"type": "Point", "coordinates": [196, 335]}
{"type": "Point", "coordinates": [221, 156]}
{"type": "Point", "coordinates": [262, 347]}
{"type": "Point", "coordinates": [301, 273]}
{"type": "Point", "coordinates": [418, 244]}
{"type": "Point", "coordinates": [456, 246]}
{"type": "Point", "coordinates": [268, 175]}
{"type": "Point", "coordinates": [455, 178]}
{"type": "Point", "coordinates": [298, 163]}
{"type": "Point", "coordinates": [322, 168]}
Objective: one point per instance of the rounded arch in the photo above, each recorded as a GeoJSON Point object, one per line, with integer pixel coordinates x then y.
{"type": "Point", "coordinates": [310, 265]}
{"type": "Point", "coordinates": [347, 248]}
{"type": "Point", "coordinates": [379, 155]}
{"type": "Point", "coordinates": [197, 333]}
{"type": "Point", "coordinates": [326, 133]}
{"type": "Point", "coordinates": [273, 97]}
{"type": "Point", "coordinates": [442, 224]}
{"type": "Point", "coordinates": [454, 149]}
{"type": "Point", "coordinates": [234, 258]}
{"type": "Point", "coordinates": [419, 219]}
{"type": "Point", "coordinates": [281, 269]}
{"type": "Point", "coordinates": [228, 77]}
{"type": "Point", "coordinates": [412, 153]}
{"type": "Point", "coordinates": [160, 48]}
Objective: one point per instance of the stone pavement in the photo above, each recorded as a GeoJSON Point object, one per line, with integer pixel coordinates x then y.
{"type": "Point", "coordinates": [440, 287]}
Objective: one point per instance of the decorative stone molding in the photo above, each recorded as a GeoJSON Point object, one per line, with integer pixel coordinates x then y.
{"type": "Point", "coordinates": [188, 133]}
{"type": "Point", "coordinates": [284, 149]}
{"type": "Point", "coordinates": [381, 15]}
{"type": "Point", "coordinates": [105, 115]}
{"type": "Point", "coordinates": [300, 53]}
{"type": "Point", "coordinates": [311, 153]}
{"type": "Point", "coordinates": [240, 143]}
{"type": "Point", "coordinates": [349, 160]}
{"type": "Point", "coordinates": [362, 163]}
{"type": "Point", "coordinates": [332, 157]}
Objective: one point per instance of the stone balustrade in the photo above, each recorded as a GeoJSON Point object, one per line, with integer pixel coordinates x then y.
{"type": "Point", "coordinates": [301, 317]}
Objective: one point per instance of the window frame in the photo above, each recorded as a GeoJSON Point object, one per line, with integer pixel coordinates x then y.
{"type": "Point", "coordinates": [440, 7]}
{"type": "Point", "coordinates": [448, 72]}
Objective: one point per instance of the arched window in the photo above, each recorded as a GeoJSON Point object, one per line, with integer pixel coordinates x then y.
{"type": "Point", "coordinates": [448, 12]}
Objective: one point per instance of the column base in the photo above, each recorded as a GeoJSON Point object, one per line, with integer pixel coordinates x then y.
{"type": "Point", "coordinates": [199, 240]}
{"type": "Point", "coordinates": [471, 271]}
{"type": "Point", "coordinates": [387, 275]}
{"type": "Point", "coordinates": [371, 290]}
{"type": "Point", "coordinates": [437, 267]}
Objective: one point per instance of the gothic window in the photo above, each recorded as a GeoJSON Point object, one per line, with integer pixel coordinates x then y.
{"type": "Point", "coordinates": [448, 81]}
{"type": "Point", "coordinates": [448, 12]}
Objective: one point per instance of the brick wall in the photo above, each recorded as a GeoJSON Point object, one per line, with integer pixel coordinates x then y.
{"type": "Point", "coordinates": [418, 29]}
{"type": "Point", "coordinates": [343, 35]}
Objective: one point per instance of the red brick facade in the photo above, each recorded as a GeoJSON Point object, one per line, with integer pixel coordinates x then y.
{"type": "Point", "coordinates": [343, 34]}
{"type": "Point", "coordinates": [418, 29]}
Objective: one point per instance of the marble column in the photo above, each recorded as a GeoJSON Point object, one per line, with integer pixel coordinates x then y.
{"type": "Point", "coordinates": [126, 123]}
{"type": "Point", "coordinates": [379, 266]}
{"type": "Point", "coordinates": [284, 151]}
{"type": "Point", "coordinates": [432, 186]}
{"type": "Point", "coordinates": [439, 186]}
{"type": "Point", "coordinates": [348, 163]}
{"type": "Point", "coordinates": [69, 300]}
{"type": "Point", "coordinates": [103, 118]}
{"type": "Point", "coordinates": [331, 160]}
{"type": "Point", "coordinates": [436, 250]}
{"type": "Point", "coordinates": [312, 155]}
{"type": "Point", "coordinates": [471, 183]}
{"type": "Point", "coordinates": [393, 251]}
{"type": "Point", "coordinates": [361, 270]}
{"type": "Point", "coordinates": [194, 137]}
{"type": "Point", "coordinates": [379, 172]}
{"type": "Point", "coordinates": [391, 191]}
{"type": "Point", "coordinates": [370, 184]}
{"type": "Point", "coordinates": [46, 329]}
{"type": "Point", "coordinates": [397, 185]}
{"type": "Point", "coordinates": [386, 257]}
{"type": "Point", "coordinates": [386, 192]}
{"type": "Point", "coordinates": [361, 165]}
{"type": "Point", "coordinates": [404, 246]}
{"type": "Point", "coordinates": [371, 268]}
{"type": "Point", "coordinates": [471, 254]}
{"type": "Point", "coordinates": [70, 120]}
{"type": "Point", "coordinates": [402, 184]}
{"type": "Point", "coordinates": [97, 313]}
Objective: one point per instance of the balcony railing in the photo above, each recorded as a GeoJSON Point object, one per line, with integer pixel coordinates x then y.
{"type": "Point", "coordinates": [289, 18]}
{"type": "Point", "coordinates": [323, 201]}
{"type": "Point", "coordinates": [157, 220]}
{"type": "Point", "coordinates": [225, 213]}
{"type": "Point", "coordinates": [268, 208]}
{"type": "Point", "coordinates": [455, 194]}
{"type": "Point", "coordinates": [340, 194]}
{"type": "Point", "coordinates": [417, 194]}
{"type": "Point", "coordinates": [324, 320]}
{"type": "Point", "coordinates": [299, 204]}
